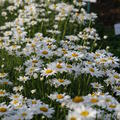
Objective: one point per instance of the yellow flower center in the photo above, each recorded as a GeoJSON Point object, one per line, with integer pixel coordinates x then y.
{"type": "Point", "coordinates": [2, 109]}
{"type": "Point", "coordinates": [65, 52]}
{"type": "Point", "coordinates": [44, 109]}
{"type": "Point", "coordinates": [49, 46]}
{"type": "Point", "coordinates": [112, 106]}
{"type": "Point", "coordinates": [31, 70]}
{"type": "Point", "coordinates": [94, 100]}
{"type": "Point", "coordinates": [89, 63]}
{"type": "Point", "coordinates": [34, 102]}
{"type": "Point", "coordinates": [14, 46]}
{"type": "Point", "coordinates": [103, 60]}
{"type": "Point", "coordinates": [63, 12]}
{"type": "Point", "coordinates": [2, 92]}
{"type": "Point", "coordinates": [55, 6]}
{"type": "Point", "coordinates": [73, 118]}
{"type": "Point", "coordinates": [15, 96]}
{"type": "Point", "coordinates": [44, 52]}
{"type": "Point", "coordinates": [110, 58]}
{"type": "Point", "coordinates": [1, 43]}
{"type": "Point", "coordinates": [78, 99]}
{"type": "Point", "coordinates": [19, 106]}
{"type": "Point", "coordinates": [49, 71]}
{"type": "Point", "coordinates": [24, 114]}
{"type": "Point", "coordinates": [101, 93]}
{"type": "Point", "coordinates": [118, 88]}
{"type": "Point", "coordinates": [74, 55]}
{"type": "Point", "coordinates": [5, 83]}
{"type": "Point", "coordinates": [61, 80]}
{"type": "Point", "coordinates": [69, 66]}
{"type": "Point", "coordinates": [2, 74]}
{"type": "Point", "coordinates": [84, 113]}
{"type": "Point", "coordinates": [48, 40]}
{"type": "Point", "coordinates": [59, 66]}
{"type": "Point", "coordinates": [15, 101]}
{"type": "Point", "coordinates": [107, 100]}
{"type": "Point", "coordinates": [33, 45]}
{"type": "Point", "coordinates": [91, 70]}
{"type": "Point", "coordinates": [97, 54]}
{"type": "Point", "coordinates": [93, 94]}
{"type": "Point", "coordinates": [77, 14]}
{"type": "Point", "coordinates": [96, 85]}
{"type": "Point", "coordinates": [59, 96]}
{"type": "Point", "coordinates": [116, 76]}
{"type": "Point", "coordinates": [35, 61]}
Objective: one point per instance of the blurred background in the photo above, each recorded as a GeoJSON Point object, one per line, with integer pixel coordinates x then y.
{"type": "Point", "coordinates": [108, 11]}
{"type": "Point", "coordinates": [108, 14]}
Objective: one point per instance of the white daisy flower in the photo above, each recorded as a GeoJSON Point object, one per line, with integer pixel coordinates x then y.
{"type": "Point", "coordinates": [59, 82]}
{"type": "Point", "coordinates": [75, 102]}
{"type": "Point", "coordinates": [97, 85]}
{"type": "Point", "coordinates": [23, 78]}
{"type": "Point", "coordinates": [47, 72]}
{"type": "Point", "coordinates": [5, 110]}
{"type": "Point", "coordinates": [73, 116]}
{"type": "Point", "coordinates": [59, 97]}
{"type": "Point", "coordinates": [5, 82]}
{"type": "Point", "coordinates": [24, 114]}
{"type": "Point", "coordinates": [44, 109]}
{"type": "Point", "coordinates": [86, 113]}
{"type": "Point", "coordinates": [3, 93]}
{"type": "Point", "coordinates": [2, 75]}
{"type": "Point", "coordinates": [57, 66]}
{"type": "Point", "coordinates": [74, 55]}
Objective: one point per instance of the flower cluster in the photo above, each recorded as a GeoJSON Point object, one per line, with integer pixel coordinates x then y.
{"type": "Point", "coordinates": [51, 66]}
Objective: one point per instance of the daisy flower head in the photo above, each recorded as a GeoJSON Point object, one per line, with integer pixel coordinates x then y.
{"type": "Point", "coordinates": [2, 75]}
{"type": "Point", "coordinates": [39, 36]}
{"type": "Point", "coordinates": [93, 100]}
{"type": "Point", "coordinates": [5, 82]}
{"type": "Point", "coordinates": [44, 109]}
{"type": "Point", "coordinates": [58, 66]}
{"type": "Point", "coordinates": [33, 103]}
{"type": "Point", "coordinates": [24, 114]}
{"type": "Point", "coordinates": [4, 109]}
{"type": "Point", "coordinates": [96, 85]}
{"type": "Point", "coordinates": [59, 82]}
{"type": "Point", "coordinates": [72, 38]}
{"type": "Point", "coordinates": [75, 102]}
{"type": "Point", "coordinates": [86, 113]}
{"type": "Point", "coordinates": [79, 3]}
{"type": "Point", "coordinates": [18, 88]}
{"type": "Point", "coordinates": [16, 103]}
{"type": "Point", "coordinates": [48, 72]}
{"type": "Point", "coordinates": [23, 78]}
{"type": "Point", "coordinates": [61, 98]}
{"type": "Point", "coordinates": [73, 116]}
{"type": "Point", "coordinates": [30, 70]}
{"type": "Point", "coordinates": [33, 91]}
{"type": "Point", "coordinates": [94, 71]}
{"type": "Point", "coordinates": [16, 96]}
{"type": "Point", "coordinates": [3, 93]}
{"type": "Point", "coordinates": [45, 52]}
{"type": "Point", "coordinates": [74, 55]}
{"type": "Point", "coordinates": [108, 102]}
{"type": "Point", "coordinates": [70, 68]}
{"type": "Point", "coordinates": [111, 106]}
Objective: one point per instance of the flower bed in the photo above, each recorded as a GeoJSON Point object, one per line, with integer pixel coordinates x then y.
{"type": "Point", "coordinates": [52, 64]}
